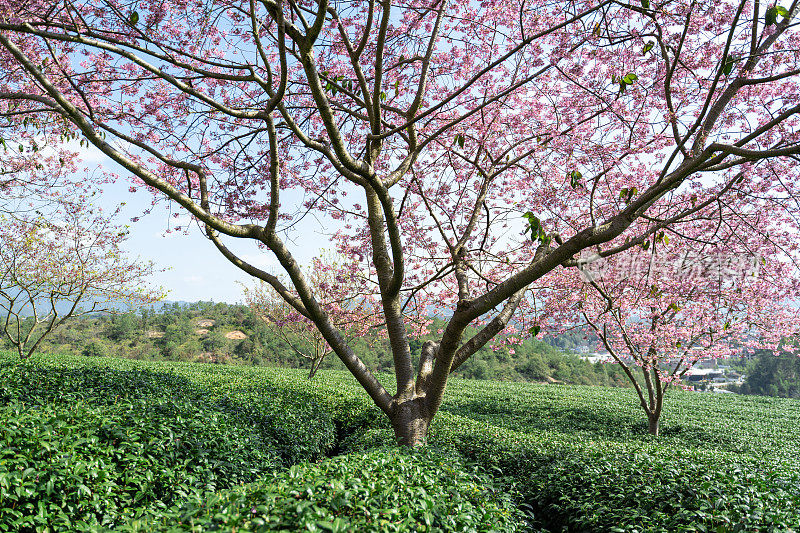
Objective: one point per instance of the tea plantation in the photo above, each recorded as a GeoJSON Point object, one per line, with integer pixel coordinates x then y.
{"type": "Point", "coordinates": [99, 444]}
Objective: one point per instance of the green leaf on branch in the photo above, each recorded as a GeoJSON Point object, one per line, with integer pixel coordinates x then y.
{"type": "Point", "coordinates": [771, 16]}
{"type": "Point", "coordinates": [534, 224]}
{"type": "Point", "coordinates": [727, 66]}
{"type": "Point", "coordinates": [575, 179]}
{"type": "Point", "coordinates": [627, 194]}
{"type": "Point", "coordinates": [535, 227]}
{"type": "Point", "coordinates": [134, 18]}
{"type": "Point", "coordinates": [626, 80]}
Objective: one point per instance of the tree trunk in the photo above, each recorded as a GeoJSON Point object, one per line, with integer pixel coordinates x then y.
{"type": "Point", "coordinates": [652, 424]}
{"type": "Point", "coordinates": [410, 421]}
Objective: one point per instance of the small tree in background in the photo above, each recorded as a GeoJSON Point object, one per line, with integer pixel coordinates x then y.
{"type": "Point", "coordinates": [668, 305]}
{"type": "Point", "coordinates": [344, 290]}
{"type": "Point", "coordinates": [771, 374]}
{"type": "Point", "coordinates": [57, 268]}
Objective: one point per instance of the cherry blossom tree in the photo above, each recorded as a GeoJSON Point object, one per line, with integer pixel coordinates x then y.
{"type": "Point", "coordinates": [419, 134]}
{"type": "Point", "coordinates": [54, 269]}
{"type": "Point", "coordinates": [36, 164]}
{"type": "Point", "coordinates": [340, 286]}
{"type": "Point", "coordinates": [723, 284]}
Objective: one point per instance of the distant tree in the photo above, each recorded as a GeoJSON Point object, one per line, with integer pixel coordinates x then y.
{"type": "Point", "coordinates": [67, 265]}
{"type": "Point", "coordinates": [772, 374]}
{"type": "Point", "coordinates": [336, 282]}
{"type": "Point", "coordinates": [667, 305]}
{"type": "Point", "coordinates": [536, 369]}
{"type": "Point", "coordinates": [215, 341]}
{"type": "Point", "coordinates": [122, 326]}
{"type": "Point", "coordinates": [95, 348]}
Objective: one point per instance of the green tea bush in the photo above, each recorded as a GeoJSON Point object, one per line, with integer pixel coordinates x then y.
{"type": "Point", "coordinates": [377, 491]}
{"type": "Point", "coordinates": [582, 458]}
{"type": "Point", "coordinates": [664, 492]}
{"type": "Point", "coordinates": [343, 410]}
{"type": "Point", "coordinates": [725, 464]}
{"type": "Point", "coordinates": [86, 447]}
{"type": "Point", "coordinates": [80, 437]}
{"type": "Point", "coordinates": [79, 466]}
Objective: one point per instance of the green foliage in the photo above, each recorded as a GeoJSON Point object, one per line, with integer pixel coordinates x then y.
{"type": "Point", "coordinates": [575, 458]}
{"type": "Point", "coordinates": [771, 15]}
{"type": "Point", "coordinates": [378, 491]}
{"type": "Point", "coordinates": [537, 230]}
{"type": "Point", "coordinates": [174, 334]}
{"type": "Point", "coordinates": [121, 327]}
{"type": "Point", "coordinates": [95, 348]}
{"type": "Point", "coordinates": [584, 462]}
{"type": "Point", "coordinates": [773, 375]}
{"type": "Point", "coordinates": [86, 447]}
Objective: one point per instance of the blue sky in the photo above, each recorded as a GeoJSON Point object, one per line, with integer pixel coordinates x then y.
{"type": "Point", "coordinates": [193, 269]}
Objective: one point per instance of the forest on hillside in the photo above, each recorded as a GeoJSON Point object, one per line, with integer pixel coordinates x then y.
{"type": "Point", "coordinates": [232, 334]}
{"type": "Point", "coordinates": [222, 333]}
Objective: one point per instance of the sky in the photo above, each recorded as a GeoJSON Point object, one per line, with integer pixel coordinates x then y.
{"type": "Point", "coordinates": [190, 267]}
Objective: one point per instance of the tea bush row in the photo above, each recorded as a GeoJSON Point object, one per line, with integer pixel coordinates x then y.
{"type": "Point", "coordinates": [583, 461]}
{"type": "Point", "coordinates": [577, 458]}
{"type": "Point", "coordinates": [581, 484]}
{"type": "Point", "coordinates": [86, 447]}
{"type": "Point", "coordinates": [377, 491]}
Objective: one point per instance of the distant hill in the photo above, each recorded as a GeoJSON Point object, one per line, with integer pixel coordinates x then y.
{"type": "Point", "coordinates": [114, 307]}
{"type": "Point", "coordinates": [225, 333]}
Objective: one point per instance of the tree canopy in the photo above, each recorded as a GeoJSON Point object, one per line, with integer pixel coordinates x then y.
{"type": "Point", "coordinates": [461, 154]}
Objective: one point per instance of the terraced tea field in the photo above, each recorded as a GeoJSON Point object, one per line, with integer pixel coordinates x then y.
{"type": "Point", "coordinates": [95, 444]}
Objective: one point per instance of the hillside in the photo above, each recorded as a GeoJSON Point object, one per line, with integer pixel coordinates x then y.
{"type": "Point", "coordinates": [221, 333]}
{"type": "Point", "coordinates": [138, 446]}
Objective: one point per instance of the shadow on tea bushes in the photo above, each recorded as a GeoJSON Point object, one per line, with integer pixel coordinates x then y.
{"type": "Point", "coordinates": [578, 484]}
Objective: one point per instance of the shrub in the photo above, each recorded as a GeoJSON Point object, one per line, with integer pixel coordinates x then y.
{"type": "Point", "coordinates": [90, 447]}
{"type": "Point", "coordinates": [95, 348]}
{"type": "Point", "coordinates": [581, 466]}
{"type": "Point", "coordinates": [378, 491]}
